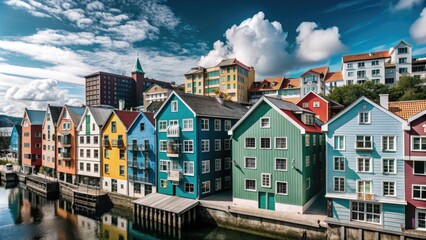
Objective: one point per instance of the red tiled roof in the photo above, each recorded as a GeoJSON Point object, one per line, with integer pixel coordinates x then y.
{"type": "Point", "coordinates": [333, 77]}
{"type": "Point", "coordinates": [261, 85]}
{"type": "Point", "coordinates": [150, 117]}
{"type": "Point", "coordinates": [312, 129]}
{"type": "Point", "coordinates": [406, 109]}
{"type": "Point", "coordinates": [318, 70]}
{"type": "Point", "coordinates": [292, 100]}
{"type": "Point", "coordinates": [366, 56]}
{"type": "Point", "coordinates": [126, 117]}
{"type": "Point", "coordinates": [294, 82]}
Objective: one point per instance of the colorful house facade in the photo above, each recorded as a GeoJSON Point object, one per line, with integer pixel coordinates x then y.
{"type": "Point", "coordinates": [141, 156]}
{"type": "Point", "coordinates": [323, 108]}
{"type": "Point", "coordinates": [114, 143]}
{"type": "Point", "coordinates": [89, 159]}
{"type": "Point", "coordinates": [194, 150]}
{"type": "Point", "coordinates": [49, 140]}
{"type": "Point", "coordinates": [66, 164]}
{"type": "Point", "coordinates": [365, 167]}
{"type": "Point", "coordinates": [278, 154]}
{"type": "Point", "coordinates": [15, 146]}
{"type": "Point", "coordinates": [31, 140]}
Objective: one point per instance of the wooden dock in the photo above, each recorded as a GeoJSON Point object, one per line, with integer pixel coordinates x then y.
{"type": "Point", "coordinates": [85, 197]}
{"type": "Point", "coordinates": [46, 187]}
{"type": "Point", "coordinates": [7, 176]}
{"type": "Point", "coordinates": [169, 210]}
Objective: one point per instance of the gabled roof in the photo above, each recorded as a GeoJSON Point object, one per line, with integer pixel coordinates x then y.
{"type": "Point", "coordinates": [319, 70]}
{"type": "Point", "coordinates": [333, 77]}
{"type": "Point", "coordinates": [268, 84]}
{"type": "Point", "coordinates": [195, 70]}
{"type": "Point", "coordinates": [75, 113]}
{"type": "Point", "coordinates": [292, 100]}
{"type": "Point", "coordinates": [126, 117]}
{"type": "Point", "coordinates": [365, 56]}
{"type": "Point", "coordinates": [137, 67]}
{"type": "Point", "coordinates": [55, 112]}
{"type": "Point", "coordinates": [232, 61]}
{"type": "Point", "coordinates": [100, 114]}
{"type": "Point", "coordinates": [18, 128]}
{"type": "Point", "coordinates": [401, 41]}
{"type": "Point", "coordinates": [406, 109]}
{"type": "Point", "coordinates": [149, 116]}
{"type": "Point", "coordinates": [363, 98]}
{"type": "Point", "coordinates": [417, 116]}
{"type": "Point", "coordinates": [36, 117]}
{"type": "Point", "coordinates": [334, 104]}
{"type": "Point", "coordinates": [290, 83]}
{"type": "Point", "coordinates": [154, 106]}
{"type": "Point", "coordinates": [205, 106]}
{"type": "Point", "coordinates": [286, 109]}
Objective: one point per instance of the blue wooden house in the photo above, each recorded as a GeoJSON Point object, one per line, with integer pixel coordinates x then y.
{"type": "Point", "coordinates": [16, 143]}
{"type": "Point", "coordinates": [194, 149]}
{"type": "Point", "coordinates": [365, 167]}
{"type": "Point", "coordinates": [141, 155]}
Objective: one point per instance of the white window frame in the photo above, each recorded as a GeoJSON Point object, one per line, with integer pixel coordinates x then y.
{"type": "Point", "coordinates": [255, 163]}
{"type": "Point", "coordinates": [209, 188]}
{"type": "Point", "coordinates": [384, 149]}
{"type": "Point", "coordinates": [245, 143]}
{"type": "Point", "coordinates": [216, 148]}
{"type": "Point", "coordinates": [207, 170]}
{"type": "Point", "coordinates": [270, 180]}
{"type": "Point", "coordinates": [344, 142]}
{"type": "Point", "coordinates": [305, 105]}
{"type": "Point", "coordinates": [286, 188]}
{"type": "Point", "coordinates": [245, 185]}
{"type": "Point", "coordinates": [334, 164]}
{"type": "Point", "coordinates": [368, 115]}
{"type": "Point", "coordinates": [228, 125]}
{"type": "Point", "coordinates": [268, 122]}
{"type": "Point", "coordinates": [189, 121]}
{"type": "Point", "coordinates": [260, 142]}
{"type": "Point", "coordinates": [421, 139]}
{"type": "Point", "coordinates": [183, 146]}
{"type": "Point", "coordinates": [183, 168]}
{"type": "Point", "coordinates": [307, 140]}
{"type": "Point", "coordinates": [334, 184]}
{"type": "Point", "coordinates": [316, 104]}
{"type": "Point", "coordinates": [216, 128]}
{"type": "Point", "coordinates": [412, 191]}
{"type": "Point", "coordinates": [203, 120]}
{"type": "Point", "coordinates": [417, 218]}
{"type": "Point", "coordinates": [208, 145]}
{"type": "Point", "coordinates": [394, 188]}
{"type": "Point", "coordinates": [216, 168]}
{"type": "Point", "coordinates": [286, 165]}
{"type": "Point", "coordinates": [414, 168]}
{"type": "Point", "coordinates": [167, 163]}
{"type": "Point", "coordinates": [308, 161]}
{"type": "Point", "coordinates": [362, 180]}
{"type": "Point", "coordinates": [160, 124]}
{"type": "Point", "coordinates": [370, 162]}
{"type": "Point", "coordinates": [286, 143]}
{"type": "Point", "coordinates": [364, 142]}
{"type": "Point", "coordinates": [394, 166]}
{"type": "Point", "coordinates": [365, 212]}
{"type": "Point", "coordinates": [161, 145]}
{"type": "Point", "coordinates": [174, 105]}
{"type": "Point", "coordinates": [227, 142]}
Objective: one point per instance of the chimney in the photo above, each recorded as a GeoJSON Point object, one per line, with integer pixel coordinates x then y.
{"type": "Point", "coordinates": [121, 104]}
{"type": "Point", "coordinates": [384, 100]}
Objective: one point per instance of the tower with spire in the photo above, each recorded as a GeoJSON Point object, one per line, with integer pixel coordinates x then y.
{"type": "Point", "coordinates": [139, 76]}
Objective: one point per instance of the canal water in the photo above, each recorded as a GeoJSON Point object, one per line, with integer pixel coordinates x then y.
{"type": "Point", "coordinates": [27, 215]}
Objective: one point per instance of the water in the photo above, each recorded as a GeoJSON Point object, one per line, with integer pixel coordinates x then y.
{"type": "Point", "coordinates": [26, 215]}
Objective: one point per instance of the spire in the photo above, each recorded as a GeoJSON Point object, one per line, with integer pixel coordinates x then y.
{"type": "Point", "coordinates": [137, 67]}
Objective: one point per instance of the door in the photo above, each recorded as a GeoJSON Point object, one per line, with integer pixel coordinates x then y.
{"type": "Point", "coordinates": [174, 190]}
{"type": "Point", "coordinates": [271, 201]}
{"type": "Point", "coordinates": [114, 185]}
{"type": "Point", "coordinates": [262, 200]}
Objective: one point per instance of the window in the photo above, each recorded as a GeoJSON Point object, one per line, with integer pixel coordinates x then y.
{"type": "Point", "coordinates": [339, 142]}
{"type": "Point", "coordinates": [360, 74]}
{"type": "Point", "coordinates": [121, 170]}
{"type": "Point", "coordinates": [163, 183]}
{"type": "Point", "coordinates": [188, 168]}
{"type": "Point", "coordinates": [266, 180]}
{"type": "Point", "coordinates": [361, 64]}
{"type": "Point", "coordinates": [418, 143]}
{"type": "Point", "coordinates": [305, 104]}
{"type": "Point", "coordinates": [419, 192]}
{"type": "Point", "coordinates": [265, 122]}
{"type": "Point", "coordinates": [403, 70]}
{"type": "Point", "coordinates": [388, 143]}
{"type": "Point", "coordinates": [314, 140]}
{"type": "Point", "coordinates": [316, 104]}
{"type": "Point", "coordinates": [375, 72]}
{"type": "Point", "coordinates": [121, 153]}
{"type": "Point", "coordinates": [227, 125]}
{"type": "Point", "coordinates": [174, 106]}
{"type": "Point", "coordinates": [364, 164]}
{"type": "Point", "coordinates": [217, 145]}
{"type": "Point", "coordinates": [81, 166]}
{"type": "Point", "coordinates": [163, 146]}
{"type": "Point", "coordinates": [188, 124]}
{"type": "Point", "coordinates": [350, 65]}
{"type": "Point", "coordinates": [419, 167]}
{"type": "Point", "coordinates": [218, 164]}
{"type": "Point", "coordinates": [280, 164]}
{"type": "Point", "coordinates": [389, 80]}
{"type": "Point", "coordinates": [402, 60]}
{"type": "Point", "coordinates": [281, 188]}
{"type": "Point", "coordinates": [137, 188]}
{"type": "Point", "coordinates": [389, 188]}
{"type": "Point", "coordinates": [188, 146]}
{"type": "Point", "coordinates": [164, 165]}
{"type": "Point", "coordinates": [218, 184]}
{"type": "Point", "coordinates": [308, 183]}
{"type": "Point", "coordinates": [364, 142]}
{"type": "Point", "coordinates": [227, 144]}
{"type": "Point", "coordinates": [350, 74]}
{"type": "Point", "coordinates": [88, 153]}
{"type": "Point", "coordinates": [402, 50]}
{"type": "Point", "coordinates": [88, 167]}
{"type": "Point", "coordinates": [339, 184]}
{"type": "Point", "coordinates": [307, 138]}
{"type": "Point", "coordinates": [281, 143]}
{"type": "Point", "coordinates": [81, 153]}
{"type": "Point", "coordinates": [265, 143]}
{"type": "Point", "coordinates": [375, 63]}
{"type": "Point", "coordinates": [217, 125]}
{"type": "Point", "coordinates": [95, 140]}
{"type": "Point", "coordinates": [420, 219]}
{"type": "Point", "coordinates": [227, 163]}
{"type": "Point", "coordinates": [308, 161]}
{"type": "Point", "coordinates": [205, 188]}
{"type": "Point", "coordinates": [189, 187]}
{"type": "Point", "coordinates": [205, 145]}
{"type": "Point", "coordinates": [205, 166]}
{"type": "Point", "coordinates": [162, 125]}
{"type": "Point", "coordinates": [141, 128]}
{"type": "Point", "coordinates": [173, 122]}
{"type": "Point", "coordinates": [364, 117]}
{"type": "Point", "coordinates": [87, 139]}
{"type": "Point", "coordinates": [250, 143]}
{"type": "Point", "coordinates": [81, 140]}
{"type": "Point", "coordinates": [339, 164]}
{"type": "Point", "coordinates": [106, 168]}
{"type": "Point", "coordinates": [363, 186]}
{"type": "Point", "coordinates": [227, 182]}
{"type": "Point", "coordinates": [366, 212]}
{"type": "Point", "coordinates": [96, 168]}
{"type": "Point", "coordinates": [388, 166]}
{"type": "Point", "coordinates": [113, 127]}
{"type": "Point", "coordinates": [204, 124]}
{"type": "Point", "coordinates": [250, 162]}
{"type": "Point", "coordinates": [250, 184]}
{"type": "Point", "coordinates": [106, 153]}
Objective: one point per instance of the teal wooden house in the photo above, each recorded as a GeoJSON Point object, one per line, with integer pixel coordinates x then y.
{"type": "Point", "coordinates": [278, 155]}
{"type": "Point", "coordinates": [194, 149]}
{"type": "Point", "coordinates": [365, 167]}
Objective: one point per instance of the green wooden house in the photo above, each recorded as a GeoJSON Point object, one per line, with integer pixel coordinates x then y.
{"type": "Point", "coordinates": [278, 157]}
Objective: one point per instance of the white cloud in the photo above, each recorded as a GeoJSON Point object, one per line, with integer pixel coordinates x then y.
{"type": "Point", "coordinates": [418, 29]}
{"type": "Point", "coordinates": [39, 90]}
{"type": "Point", "coordinates": [96, 5]}
{"type": "Point", "coordinates": [134, 31]}
{"type": "Point", "coordinates": [256, 42]}
{"type": "Point", "coordinates": [317, 44]}
{"type": "Point", "coordinates": [407, 4]}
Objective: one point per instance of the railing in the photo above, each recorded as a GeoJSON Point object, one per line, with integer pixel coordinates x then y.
{"type": "Point", "coordinates": [117, 143]}
{"type": "Point", "coordinates": [365, 196]}
{"type": "Point", "coordinates": [174, 175]}
{"type": "Point", "coordinates": [173, 131]}
{"type": "Point", "coordinates": [139, 164]}
{"type": "Point", "coordinates": [65, 142]}
{"type": "Point", "coordinates": [173, 149]}
{"type": "Point", "coordinates": [66, 155]}
{"type": "Point", "coordinates": [105, 143]}
{"type": "Point", "coordinates": [137, 147]}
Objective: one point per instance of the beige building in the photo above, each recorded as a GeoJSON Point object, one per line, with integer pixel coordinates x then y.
{"type": "Point", "coordinates": [230, 76]}
{"type": "Point", "coordinates": [155, 93]}
{"type": "Point", "coordinates": [49, 143]}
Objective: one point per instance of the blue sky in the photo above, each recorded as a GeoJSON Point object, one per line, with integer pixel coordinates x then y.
{"type": "Point", "coordinates": [46, 47]}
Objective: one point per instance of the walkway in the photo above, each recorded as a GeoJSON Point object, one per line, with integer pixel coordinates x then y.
{"type": "Point", "coordinates": [167, 203]}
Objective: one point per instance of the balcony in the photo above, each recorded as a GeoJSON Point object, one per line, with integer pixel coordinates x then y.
{"type": "Point", "coordinates": [365, 196]}
{"type": "Point", "coordinates": [117, 143]}
{"type": "Point", "coordinates": [137, 178]}
{"type": "Point", "coordinates": [65, 142]}
{"type": "Point", "coordinates": [65, 155]}
{"type": "Point", "coordinates": [173, 148]}
{"type": "Point", "coordinates": [105, 143]}
{"type": "Point", "coordinates": [139, 164]}
{"type": "Point", "coordinates": [174, 175]}
{"type": "Point", "coordinates": [173, 131]}
{"type": "Point", "coordinates": [137, 147]}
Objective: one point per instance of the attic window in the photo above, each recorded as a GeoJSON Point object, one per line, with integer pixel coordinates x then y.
{"type": "Point", "coordinates": [308, 119]}
{"type": "Point", "coordinates": [256, 85]}
{"type": "Point", "coordinates": [290, 86]}
{"type": "Point", "coordinates": [273, 84]}
{"type": "Point", "coordinates": [266, 85]}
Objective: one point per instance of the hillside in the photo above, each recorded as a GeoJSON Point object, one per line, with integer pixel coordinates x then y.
{"type": "Point", "coordinates": [8, 121]}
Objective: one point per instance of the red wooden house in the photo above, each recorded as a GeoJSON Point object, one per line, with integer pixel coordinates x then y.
{"type": "Point", "coordinates": [323, 108]}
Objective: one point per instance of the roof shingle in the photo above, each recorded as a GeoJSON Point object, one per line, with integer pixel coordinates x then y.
{"type": "Point", "coordinates": [366, 56]}
{"type": "Point", "coordinates": [333, 77]}
{"type": "Point", "coordinates": [406, 109]}
{"type": "Point", "coordinates": [126, 117]}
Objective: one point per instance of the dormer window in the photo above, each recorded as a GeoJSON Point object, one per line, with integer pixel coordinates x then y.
{"type": "Point", "coordinates": [308, 119]}
{"type": "Point", "coordinates": [364, 117]}
{"type": "Point", "coordinates": [266, 85]}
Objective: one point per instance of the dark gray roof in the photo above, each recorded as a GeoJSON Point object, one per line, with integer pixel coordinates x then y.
{"type": "Point", "coordinates": [55, 112]}
{"type": "Point", "coordinates": [75, 113]}
{"type": "Point", "coordinates": [210, 106]}
{"type": "Point", "coordinates": [154, 106]}
{"type": "Point", "coordinates": [100, 114]}
{"type": "Point", "coordinates": [226, 62]}
{"type": "Point", "coordinates": [281, 104]}
{"type": "Point", "coordinates": [36, 116]}
{"type": "Point", "coordinates": [195, 70]}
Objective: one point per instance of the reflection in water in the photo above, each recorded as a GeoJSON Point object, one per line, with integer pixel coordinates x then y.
{"type": "Point", "coordinates": [27, 215]}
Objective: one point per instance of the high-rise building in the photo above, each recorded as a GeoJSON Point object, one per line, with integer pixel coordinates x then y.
{"type": "Point", "coordinates": [104, 88]}
{"type": "Point", "coordinates": [230, 76]}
